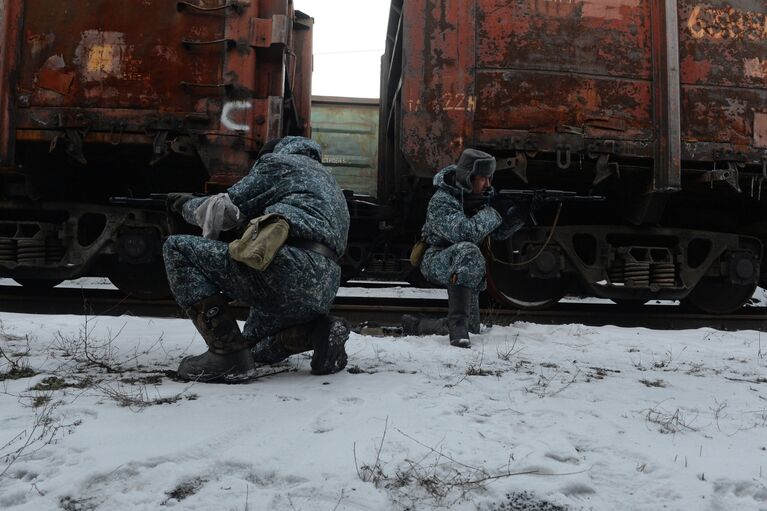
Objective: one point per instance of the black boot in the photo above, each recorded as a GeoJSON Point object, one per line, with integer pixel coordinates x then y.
{"type": "Point", "coordinates": [291, 341]}
{"type": "Point", "coordinates": [417, 325]}
{"type": "Point", "coordinates": [329, 339]}
{"type": "Point", "coordinates": [228, 359]}
{"type": "Point", "coordinates": [269, 351]}
{"type": "Point", "coordinates": [325, 335]}
{"type": "Point", "coordinates": [458, 310]}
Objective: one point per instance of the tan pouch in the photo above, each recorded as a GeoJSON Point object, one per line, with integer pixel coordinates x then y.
{"type": "Point", "coordinates": [417, 253]}
{"type": "Point", "coordinates": [263, 238]}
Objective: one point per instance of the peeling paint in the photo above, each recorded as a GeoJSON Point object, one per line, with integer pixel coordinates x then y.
{"type": "Point", "coordinates": [609, 9]}
{"type": "Point", "coordinates": [755, 68]}
{"type": "Point", "coordinates": [101, 55]}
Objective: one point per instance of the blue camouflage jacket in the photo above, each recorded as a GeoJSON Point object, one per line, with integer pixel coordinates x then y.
{"type": "Point", "coordinates": [447, 223]}
{"type": "Point", "coordinates": [293, 183]}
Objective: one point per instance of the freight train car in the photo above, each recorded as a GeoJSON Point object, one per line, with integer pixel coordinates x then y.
{"type": "Point", "coordinates": [101, 99]}
{"type": "Point", "coordinates": [658, 105]}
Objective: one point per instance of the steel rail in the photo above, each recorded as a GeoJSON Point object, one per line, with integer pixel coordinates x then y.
{"type": "Point", "coordinates": [384, 311]}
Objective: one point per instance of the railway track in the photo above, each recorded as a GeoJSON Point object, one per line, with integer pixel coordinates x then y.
{"type": "Point", "coordinates": [378, 313]}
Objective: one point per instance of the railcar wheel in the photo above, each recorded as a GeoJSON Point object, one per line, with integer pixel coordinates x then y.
{"type": "Point", "coordinates": [516, 289]}
{"type": "Point", "coordinates": [718, 296]}
{"type": "Point", "coordinates": [39, 284]}
{"type": "Point", "coordinates": [145, 281]}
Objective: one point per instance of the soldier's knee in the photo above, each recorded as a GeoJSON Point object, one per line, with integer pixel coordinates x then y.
{"type": "Point", "coordinates": [173, 246]}
{"type": "Point", "coordinates": [470, 251]}
{"type": "Point", "coordinates": [170, 246]}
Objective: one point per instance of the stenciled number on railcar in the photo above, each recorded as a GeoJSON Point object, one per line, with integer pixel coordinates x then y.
{"type": "Point", "coordinates": [447, 102]}
{"type": "Point", "coordinates": [727, 23]}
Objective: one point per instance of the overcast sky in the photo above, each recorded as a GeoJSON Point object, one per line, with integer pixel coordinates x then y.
{"type": "Point", "coordinates": [349, 39]}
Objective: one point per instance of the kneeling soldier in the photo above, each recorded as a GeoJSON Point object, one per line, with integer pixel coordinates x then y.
{"type": "Point", "coordinates": [454, 235]}
{"type": "Point", "coordinates": [290, 299]}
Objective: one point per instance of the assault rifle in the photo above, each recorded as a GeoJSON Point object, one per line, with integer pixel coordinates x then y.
{"type": "Point", "coordinates": [154, 201]}
{"type": "Point", "coordinates": [529, 201]}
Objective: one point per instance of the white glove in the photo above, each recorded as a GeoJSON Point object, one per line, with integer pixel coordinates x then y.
{"type": "Point", "coordinates": [217, 213]}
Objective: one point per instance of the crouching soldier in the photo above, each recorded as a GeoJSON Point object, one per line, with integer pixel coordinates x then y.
{"type": "Point", "coordinates": [289, 297]}
{"type": "Point", "coordinates": [454, 235]}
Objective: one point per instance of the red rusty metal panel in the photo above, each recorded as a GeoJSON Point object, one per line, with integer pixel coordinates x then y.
{"type": "Point", "coordinates": [438, 97]}
{"type": "Point", "coordinates": [760, 129]}
{"type": "Point", "coordinates": [203, 68]}
{"type": "Point", "coordinates": [551, 102]}
{"type": "Point", "coordinates": [102, 54]}
{"type": "Point", "coordinates": [723, 43]}
{"type": "Point", "coordinates": [9, 56]}
{"type": "Point", "coordinates": [476, 72]}
{"type": "Point", "coordinates": [723, 60]}
{"type": "Point", "coordinates": [716, 114]}
{"type": "Point", "coordinates": [601, 37]}
{"type": "Point", "coordinates": [300, 70]}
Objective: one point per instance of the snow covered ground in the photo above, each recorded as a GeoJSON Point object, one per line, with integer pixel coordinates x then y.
{"type": "Point", "coordinates": [531, 418]}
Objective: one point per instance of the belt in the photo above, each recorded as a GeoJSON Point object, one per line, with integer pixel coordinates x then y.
{"type": "Point", "coordinates": [313, 246]}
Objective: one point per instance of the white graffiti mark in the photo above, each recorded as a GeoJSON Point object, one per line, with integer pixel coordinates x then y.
{"type": "Point", "coordinates": [229, 109]}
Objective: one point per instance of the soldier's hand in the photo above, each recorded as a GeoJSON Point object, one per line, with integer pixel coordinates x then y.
{"type": "Point", "coordinates": [175, 201]}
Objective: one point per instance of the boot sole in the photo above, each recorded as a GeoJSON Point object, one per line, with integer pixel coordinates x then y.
{"type": "Point", "coordinates": [220, 378]}
{"type": "Point", "coordinates": [236, 373]}
{"type": "Point", "coordinates": [461, 343]}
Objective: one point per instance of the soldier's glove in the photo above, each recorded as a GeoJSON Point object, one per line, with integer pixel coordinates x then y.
{"type": "Point", "coordinates": [475, 201]}
{"type": "Point", "coordinates": [175, 201]}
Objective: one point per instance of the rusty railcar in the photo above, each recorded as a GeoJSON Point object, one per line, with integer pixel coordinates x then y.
{"type": "Point", "coordinates": [100, 99]}
{"type": "Point", "coordinates": [659, 105]}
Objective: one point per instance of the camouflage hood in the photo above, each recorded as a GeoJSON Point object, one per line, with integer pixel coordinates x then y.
{"type": "Point", "coordinates": [445, 180]}
{"type": "Point", "coordinates": [299, 146]}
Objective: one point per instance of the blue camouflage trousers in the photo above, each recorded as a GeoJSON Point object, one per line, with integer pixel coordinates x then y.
{"type": "Point", "coordinates": [297, 287]}
{"type": "Point", "coordinates": [466, 262]}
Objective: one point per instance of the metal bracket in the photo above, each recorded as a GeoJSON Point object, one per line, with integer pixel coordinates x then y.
{"type": "Point", "coordinates": [266, 32]}
{"type": "Point", "coordinates": [159, 147]}
{"type": "Point", "coordinates": [517, 164]}
{"type": "Point", "coordinates": [605, 169]}
{"type": "Point", "coordinates": [730, 175]}
{"type": "Point", "coordinates": [71, 142]}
